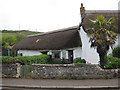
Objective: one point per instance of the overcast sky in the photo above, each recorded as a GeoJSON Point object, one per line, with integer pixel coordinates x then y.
{"type": "Point", "coordinates": [47, 15]}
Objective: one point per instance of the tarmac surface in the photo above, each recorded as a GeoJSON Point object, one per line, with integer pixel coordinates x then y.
{"type": "Point", "coordinates": [33, 84]}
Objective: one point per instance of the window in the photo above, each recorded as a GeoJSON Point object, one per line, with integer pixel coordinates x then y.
{"type": "Point", "coordinates": [44, 52]}
{"type": "Point", "coordinates": [56, 54]}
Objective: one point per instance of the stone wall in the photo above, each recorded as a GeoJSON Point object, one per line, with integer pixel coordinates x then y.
{"type": "Point", "coordinates": [11, 70]}
{"type": "Point", "coordinates": [69, 71]}
{"type": "Point", "coordinates": [57, 71]}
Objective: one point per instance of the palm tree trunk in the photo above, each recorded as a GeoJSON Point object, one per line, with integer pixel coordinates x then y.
{"type": "Point", "coordinates": [102, 61]}
{"type": "Point", "coordinates": [102, 53]}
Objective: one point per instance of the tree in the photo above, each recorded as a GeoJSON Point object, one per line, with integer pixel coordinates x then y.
{"type": "Point", "coordinates": [9, 39]}
{"type": "Point", "coordinates": [102, 37]}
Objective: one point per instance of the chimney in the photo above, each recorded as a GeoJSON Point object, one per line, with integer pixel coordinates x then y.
{"type": "Point", "coordinates": [82, 9]}
{"type": "Point", "coordinates": [82, 12]}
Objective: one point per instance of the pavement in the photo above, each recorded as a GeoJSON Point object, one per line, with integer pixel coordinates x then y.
{"type": "Point", "coordinates": [46, 83]}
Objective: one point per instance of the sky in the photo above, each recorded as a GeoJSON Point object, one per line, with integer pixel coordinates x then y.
{"type": "Point", "coordinates": [47, 15]}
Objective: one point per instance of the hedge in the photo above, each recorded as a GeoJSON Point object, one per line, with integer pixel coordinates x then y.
{"type": "Point", "coordinates": [116, 52]}
{"type": "Point", "coordinates": [79, 61]}
{"type": "Point", "coordinates": [26, 60]}
{"type": "Point", "coordinates": [112, 62]}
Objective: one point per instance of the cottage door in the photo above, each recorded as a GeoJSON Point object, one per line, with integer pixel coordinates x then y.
{"type": "Point", "coordinates": [70, 56]}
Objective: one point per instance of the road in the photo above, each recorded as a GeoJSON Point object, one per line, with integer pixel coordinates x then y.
{"type": "Point", "coordinates": [35, 83]}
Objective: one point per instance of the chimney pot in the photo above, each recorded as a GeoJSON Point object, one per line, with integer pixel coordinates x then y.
{"type": "Point", "coordinates": [81, 4]}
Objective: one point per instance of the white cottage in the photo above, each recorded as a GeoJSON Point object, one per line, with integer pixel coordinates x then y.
{"type": "Point", "coordinates": [63, 43]}
{"type": "Point", "coordinates": [69, 43]}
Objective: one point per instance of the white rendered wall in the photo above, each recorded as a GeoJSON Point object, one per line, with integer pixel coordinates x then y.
{"type": "Point", "coordinates": [64, 54]}
{"type": "Point", "coordinates": [77, 52]}
{"type": "Point", "coordinates": [88, 53]}
{"type": "Point", "coordinates": [30, 52]}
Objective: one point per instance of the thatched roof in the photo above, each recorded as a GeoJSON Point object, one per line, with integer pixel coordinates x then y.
{"type": "Point", "coordinates": [56, 40]}
{"type": "Point", "coordinates": [92, 14]}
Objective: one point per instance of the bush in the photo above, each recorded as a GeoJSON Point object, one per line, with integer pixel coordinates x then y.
{"type": "Point", "coordinates": [7, 59]}
{"type": "Point", "coordinates": [80, 61]}
{"type": "Point", "coordinates": [112, 62]}
{"type": "Point", "coordinates": [26, 60]}
{"type": "Point", "coordinates": [116, 52]}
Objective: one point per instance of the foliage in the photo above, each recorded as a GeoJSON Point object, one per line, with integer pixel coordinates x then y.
{"type": "Point", "coordinates": [112, 62]}
{"type": "Point", "coordinates": [101, 32]}
{"type": "Point", "coordinates": [116, 52]}
{"type": "Point", "coordinates": [26, 60]}
{"type": "Point", "coordinates": [7, 59]}
{"type": "Point", "coordinates": [79, 61]}
{"type": "Point", "coordinates": [102, 37]}
{"type": "Point", "coordinates": [9, 38]}
{"type": "Point", "coordinates": [25, 32]}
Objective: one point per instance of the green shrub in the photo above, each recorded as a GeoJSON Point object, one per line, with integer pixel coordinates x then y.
{"type": "Point", "coordinates": [80, 61]}
{"type": "Point", "coordinates": [112, 62]}
{"type": "Point", "coordinates": [116, 52]}
{"type": "Point", "coordinates": [26, 60]}
{"type": "Point", "coordinates": [7, 59]}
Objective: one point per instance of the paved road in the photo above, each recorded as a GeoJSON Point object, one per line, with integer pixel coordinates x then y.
{"type": "Point", "coordinates": [34, 83]}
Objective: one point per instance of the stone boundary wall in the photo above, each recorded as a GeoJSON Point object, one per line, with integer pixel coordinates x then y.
{"type": "Point", "coordinates": [11, 70]}
{"type": "Point", "coordinates": [57, 71]}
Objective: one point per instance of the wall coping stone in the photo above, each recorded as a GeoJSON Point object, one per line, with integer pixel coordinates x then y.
{"type": "Point", "coordinates": [64, 65]}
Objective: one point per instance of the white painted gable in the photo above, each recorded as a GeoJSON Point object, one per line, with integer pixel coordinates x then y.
{"type": "Point", "coordinates": [88, 53]}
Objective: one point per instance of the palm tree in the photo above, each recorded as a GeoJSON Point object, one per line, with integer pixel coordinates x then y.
{"type": "Point", "coordinates": [102, 37]}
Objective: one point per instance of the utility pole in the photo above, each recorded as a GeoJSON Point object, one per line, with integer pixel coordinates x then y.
{"type": "Point", "coordinates": [19, 26]}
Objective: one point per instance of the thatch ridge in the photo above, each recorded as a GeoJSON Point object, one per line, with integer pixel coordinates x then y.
{"type": "Point", "coordinates": [56, 31]}
{"type": "Point", "coordinates": [101, 11]}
